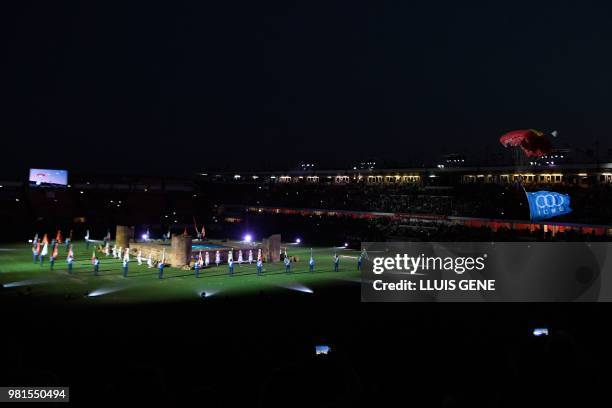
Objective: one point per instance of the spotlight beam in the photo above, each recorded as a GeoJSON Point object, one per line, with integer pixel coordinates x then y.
{"type": "Point", "coordinates": [298, 287]}
{"type": "Point", "coordinates": [26, 283]}
{"type": "Point", "coordinates": [103, 291]}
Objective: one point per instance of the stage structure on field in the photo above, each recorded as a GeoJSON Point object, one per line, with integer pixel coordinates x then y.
{"type": "Point", "coordinates": [180, 254]}
{"type": "Point", "coordinates": [123, 236]}
{"type": "Point", "coordinates": [271, 248]}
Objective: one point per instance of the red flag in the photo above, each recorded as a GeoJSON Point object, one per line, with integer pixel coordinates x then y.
{"type": "Point", "coordinates": [45, 239]}
{"type": "Point", "coordinates": [93, 256]}
{"type": "Point", "coordinates": [203, 231]}
{"type": "Point", "coordinates": [70, 252]}
{"type": "Point", "coordinates": [58, 236]}
{"type": "Point", "coordinates": [54, 254]}
{"type": "Point", "coordinates": [38, 247]}
{"type": "Point", "coordinates": [185, 232]}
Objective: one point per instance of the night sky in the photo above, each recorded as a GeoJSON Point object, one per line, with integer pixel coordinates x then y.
{"type": "Point", "coordinates": [178, 87]}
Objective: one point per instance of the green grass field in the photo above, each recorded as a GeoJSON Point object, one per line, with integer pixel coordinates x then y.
{"type": "Point", "coordinates": [19, 276]}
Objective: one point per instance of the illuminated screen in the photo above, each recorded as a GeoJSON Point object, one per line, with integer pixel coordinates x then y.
{"type": "Point", "coordinates": [322, 349]}
{"type": "Point", "coordinates": [48, 177]}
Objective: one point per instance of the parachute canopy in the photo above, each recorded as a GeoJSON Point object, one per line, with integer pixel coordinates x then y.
{"type": "Point", "coordinates": [533, 142]}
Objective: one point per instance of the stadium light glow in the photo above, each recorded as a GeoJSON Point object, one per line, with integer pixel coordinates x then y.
{"type": "Point", "coordinates": [298, 240]}
{"type": "Point", "coordinates": [102, 291]}
{"type": "Point", "coordinates": [540, 331]}
{"type": "Point", "coordinates": [145, 237]}
{"type": "Point", "coordinates": [345, 244]}
{"type": "Point", "coordinates": [248, 238]}
{"type": "Point", "coordinates": [25, 283]}
{"type": "Point", "coordinates": [298, 287]}
{"type": "Point", "coordinates": [206, 293]}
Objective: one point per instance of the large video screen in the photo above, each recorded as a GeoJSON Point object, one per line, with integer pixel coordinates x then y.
{"type": "Point", "coordinates": [48, 177]}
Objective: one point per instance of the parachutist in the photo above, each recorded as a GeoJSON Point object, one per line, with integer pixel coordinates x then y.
{"type": "Point", "coordinates": [534, 143]}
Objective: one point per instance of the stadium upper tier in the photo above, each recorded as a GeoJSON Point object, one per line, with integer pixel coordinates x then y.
{"type": "Point", "coordinates": [593, 173]}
